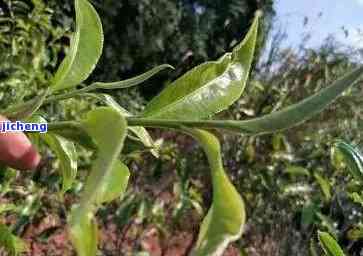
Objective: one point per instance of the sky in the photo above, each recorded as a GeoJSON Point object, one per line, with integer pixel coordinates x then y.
{"type": "Point", "coordinates": [334, 15]}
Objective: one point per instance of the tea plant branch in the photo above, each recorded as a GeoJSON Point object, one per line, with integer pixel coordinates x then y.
{"type": "Point", "coordinates": [276, 121]}
{"type": "Point", "coordinates": [54, 98]}
{"type": "Point", "coordinates": [49, 99]}
{"type": "Point", "coordinates": [27, 111]}
{"type": "Point", "coordinates": [123, 84]}
{"type": "Point", "coordinates": [63, 124]}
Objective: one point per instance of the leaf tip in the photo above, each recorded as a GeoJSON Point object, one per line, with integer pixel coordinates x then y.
{"type": "Point", "coordinates": [258, 14]}
{"type": "Point", "coordinates": [169, 66]}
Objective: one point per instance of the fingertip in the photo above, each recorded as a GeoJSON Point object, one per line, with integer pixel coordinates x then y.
{"type": "Point", "coordinates": [30, 160]}
{"type": "Point", "coordinates": [16, 150]}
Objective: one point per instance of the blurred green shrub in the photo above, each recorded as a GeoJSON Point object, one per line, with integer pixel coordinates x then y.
{"type": "Point", "coordinates": [30, 48]}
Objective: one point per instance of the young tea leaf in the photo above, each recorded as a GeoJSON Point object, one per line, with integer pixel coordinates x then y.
{"type": "Point", "coordinates": [353, 159]}
{"type": "Point", "coordinates": [226, 217]}
{"type": "Point", "coordinates": [108, 177]}
{"type": "Point", "coordinates": [296, 113]}
{"type": "Point", "coordinates": [85, 50]}
{"type": "Point", "coordinates": [130, 82]}
{"type": "Point", "coordinates": [329, 245]}
{"type": "Point", "coordinates": [67, 155]}
{"type": "Point", "coordinates": [208, 88]}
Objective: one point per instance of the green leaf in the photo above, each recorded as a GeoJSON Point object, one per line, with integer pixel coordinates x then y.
{"type": "Point", "coordinates": [329, 245]}
{"type": "Point", "coordinates": [73, 131]}
{"type": "Point", "coordinates": [226, 217]}
{"type": "Point", "coordinates": [296, 113]}
{"type": "Point", "coordinates": [85, 50]}
{"type": "Point", "coordinates": [116, 183]}
{"type": "Point", "coordinates": [352, 157]}
{"type": "Point", "coordinates": [139, 131]}
{"type": "Point", "coordinates": [11, 243]}
{"type": "Point", "coordinates": [66, 153]}
{"type": "Point", "coordinates": [108, 177]}
{"type": "Point", "coordinates": [297, 171]}
{"type": "Point", "coordinates": [130, 82]}
{"type": "Point", "coordinates": [208, 88]}
{"type": "Point", "coordinates": [276, 121]}
{"type": "Point", "coordinates": [324, 186]}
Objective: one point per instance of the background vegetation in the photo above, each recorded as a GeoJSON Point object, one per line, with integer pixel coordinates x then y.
{"type": "Point", "coordinates": [293, 183]}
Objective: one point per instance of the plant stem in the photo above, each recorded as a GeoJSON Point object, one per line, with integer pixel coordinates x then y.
{"type": "Point", "coordinates": [63, 125]}
{"type": "Point", "coordinates": [50, 99]}
{"type": "Point", "coordinates": [231, 125]}
{"type": "Point", "coordinates": [68, 95]}
{"type": "Point", "coordinates": [164, 123]}
{"type": "Point", "coordinates": [156, 123]}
